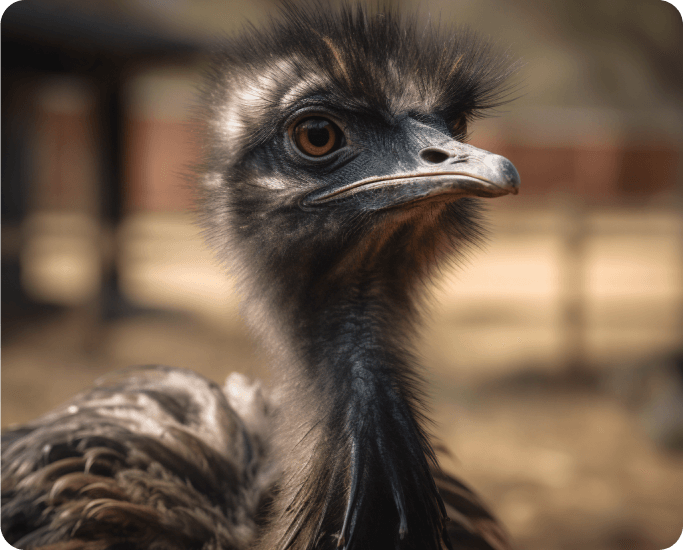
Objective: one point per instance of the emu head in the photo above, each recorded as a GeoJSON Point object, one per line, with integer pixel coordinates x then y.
{"type": "Point", "coordinates": [335, 144]}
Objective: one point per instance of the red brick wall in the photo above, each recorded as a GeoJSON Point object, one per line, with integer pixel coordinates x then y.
{"type": "Point", "coordinates": [595, 172]}
{"type": "Point", "coordinates": [159, 154]}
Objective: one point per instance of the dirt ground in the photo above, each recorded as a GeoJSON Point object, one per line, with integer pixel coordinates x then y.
{"type": "Point", "coordinates": [565, 466]}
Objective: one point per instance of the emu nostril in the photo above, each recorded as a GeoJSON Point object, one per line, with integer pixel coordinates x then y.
{"type": "Point", "coordinates": [434, 156]}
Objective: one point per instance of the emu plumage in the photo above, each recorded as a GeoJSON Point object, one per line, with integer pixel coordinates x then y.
{"type": "Point", "coordinates": [334, 181]}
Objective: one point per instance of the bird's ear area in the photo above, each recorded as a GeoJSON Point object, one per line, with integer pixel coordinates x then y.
{"type": "Point", "coordinates": [459, 127]}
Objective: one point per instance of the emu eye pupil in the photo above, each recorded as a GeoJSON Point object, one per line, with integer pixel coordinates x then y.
{"type": "Point", "coordinates": [319, 136]}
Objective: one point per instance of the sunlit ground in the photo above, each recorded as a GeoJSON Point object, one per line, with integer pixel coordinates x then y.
{"type": "Point", "coordinates": [565, 465]}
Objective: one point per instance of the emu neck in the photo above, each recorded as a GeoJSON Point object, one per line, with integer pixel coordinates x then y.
{"type": "Point", "coordinates": [357, 466]}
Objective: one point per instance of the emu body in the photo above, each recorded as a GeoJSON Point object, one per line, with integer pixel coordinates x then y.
{"type": "Point", "coordinates": [335, 180]}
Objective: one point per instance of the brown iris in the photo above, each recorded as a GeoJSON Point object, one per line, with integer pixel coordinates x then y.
{"type": "Point", "coordinates": [317, 136]}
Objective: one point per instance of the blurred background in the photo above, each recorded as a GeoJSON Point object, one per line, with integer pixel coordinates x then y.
{"type": "Point", "coordinates": [554, 355]}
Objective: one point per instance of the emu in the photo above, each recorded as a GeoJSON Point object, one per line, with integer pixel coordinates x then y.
{"type": "Point", "coordinates": [335, 180]}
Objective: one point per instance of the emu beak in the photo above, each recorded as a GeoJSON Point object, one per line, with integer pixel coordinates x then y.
{"type": "Point", "coordinates": [441, 174]}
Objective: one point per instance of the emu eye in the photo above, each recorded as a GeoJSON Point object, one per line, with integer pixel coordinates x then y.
{"type": "Point", "coordinates": [317, 136]}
